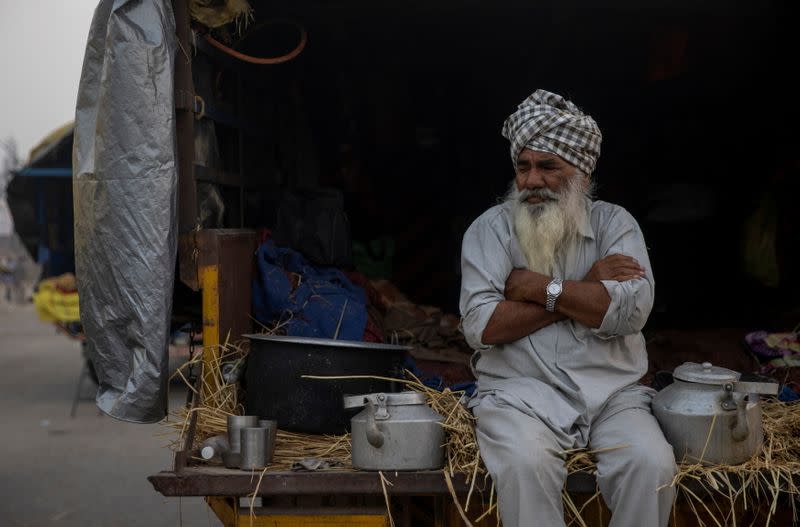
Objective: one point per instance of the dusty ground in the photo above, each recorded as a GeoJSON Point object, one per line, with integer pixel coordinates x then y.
{"type": "Point", "coordinates": [88, 471]}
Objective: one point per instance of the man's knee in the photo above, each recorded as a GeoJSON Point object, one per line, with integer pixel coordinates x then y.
{"type": "Point", "coordinates": [652, 460]}
{"type": "Point", "coordinates": [518, 450]}
{"type": "Point", "coordinates": [529, 461]}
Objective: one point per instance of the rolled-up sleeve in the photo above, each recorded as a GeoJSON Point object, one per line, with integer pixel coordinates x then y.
{"type": "Point", "coordinates": [485, 266]}
{"type": "Point", "coordinates": [632, 300]}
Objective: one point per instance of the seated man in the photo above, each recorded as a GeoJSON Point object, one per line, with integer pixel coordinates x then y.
{"type": "Point", "coordinates": [555, 290]}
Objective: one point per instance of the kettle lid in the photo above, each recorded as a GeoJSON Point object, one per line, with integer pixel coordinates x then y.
{"type": "Point", "coordinates": [705, 373]}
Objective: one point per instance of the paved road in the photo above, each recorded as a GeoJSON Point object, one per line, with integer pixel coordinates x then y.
{"type": "Point", "coordinates": [88, 471]}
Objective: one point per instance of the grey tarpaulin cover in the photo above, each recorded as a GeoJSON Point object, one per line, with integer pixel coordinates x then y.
{"type": "Point", "coordinates": [125, 198]}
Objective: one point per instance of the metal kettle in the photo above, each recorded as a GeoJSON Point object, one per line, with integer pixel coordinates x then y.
{"type": "Point", "coordinates": [395, 431]}
{"type": "Point", "coordinates": [709, 416]}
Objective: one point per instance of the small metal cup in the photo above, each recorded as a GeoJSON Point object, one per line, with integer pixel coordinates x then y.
{"type": "Point", "coordinates": [254, 448]}
{"type": "Point", "coordinates": [235, 425]}
{"type": "Point", "coordinates": [272, 432]}
{"type": "Point", "coordinates": [232, 458]}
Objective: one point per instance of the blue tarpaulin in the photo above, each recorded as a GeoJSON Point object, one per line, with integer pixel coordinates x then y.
{"type": "Point", "coordinates": [312, 308]}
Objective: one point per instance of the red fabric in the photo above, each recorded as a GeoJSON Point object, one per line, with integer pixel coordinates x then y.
{"type": "Point", "coordinates": [372, 333]}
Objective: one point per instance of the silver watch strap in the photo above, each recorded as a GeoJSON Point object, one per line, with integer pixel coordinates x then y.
{"type": "Point", "coordinates": [550, 304]}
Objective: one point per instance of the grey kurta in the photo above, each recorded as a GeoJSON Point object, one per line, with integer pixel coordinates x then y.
{"type": "Point", "coordinates": [567, 368]}
{"type": "Point", "coordinates": [566, 385]}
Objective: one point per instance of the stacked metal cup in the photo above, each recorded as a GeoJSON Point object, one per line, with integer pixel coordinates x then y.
{"type": "Point", "coordinates": [254, 448]}
{"type": "Point", "coordinates": [233, 458]}
{"type": "Point", "coordinates": [258, 445]}
{"type": "Point", "coordinates": [272, 431]}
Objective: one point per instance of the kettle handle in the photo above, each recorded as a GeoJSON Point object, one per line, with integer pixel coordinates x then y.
{"type": "Point", "coordinates": [764, 388]}
{"type": "Point", "coordinates": [373, 431]}
{"type": "Point", "coordinates": [741, 424]}
{"type": "Point", "coordinates": [740, 427]}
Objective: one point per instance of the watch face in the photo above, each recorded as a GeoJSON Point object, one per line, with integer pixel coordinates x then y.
{"type": "Point", "coordinates": [553, 289]}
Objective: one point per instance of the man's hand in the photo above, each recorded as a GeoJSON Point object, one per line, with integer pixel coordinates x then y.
{"type": "Point", "coordinates": [615, 267]}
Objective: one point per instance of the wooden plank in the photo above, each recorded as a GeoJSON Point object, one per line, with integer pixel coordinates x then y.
{"type": "Point", "coordinates": [197, 481]}
{"type": "Point", "coordinates": [184, 124]}
{"type": "Point", "coordinates": [225, 264]}
{"type": "Point", "coordinates": [316, 520]}
{"type": "Point", "coordinates": [217, 481]}
{"type": "Point", "coordinates": [184, 131]}
{"type": "Point", "coordinates": [230, 252]}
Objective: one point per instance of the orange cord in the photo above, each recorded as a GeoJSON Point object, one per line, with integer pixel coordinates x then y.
{"type": "Point", "coordinates": [261, 60]}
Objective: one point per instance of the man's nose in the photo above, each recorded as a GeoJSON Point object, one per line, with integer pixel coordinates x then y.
{"type": "Point", "coordinates": [533, 179]}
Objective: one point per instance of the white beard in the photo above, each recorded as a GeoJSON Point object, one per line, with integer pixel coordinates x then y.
{"type": "Point", "coordinates": [544, 228]}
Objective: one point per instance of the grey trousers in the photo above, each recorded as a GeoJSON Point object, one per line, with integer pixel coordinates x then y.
{"type": "Point", "coordinates": [524, 458]}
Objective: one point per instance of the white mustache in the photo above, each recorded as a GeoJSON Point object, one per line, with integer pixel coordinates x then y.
{"type": "Point", "coordinates": [524, 194]}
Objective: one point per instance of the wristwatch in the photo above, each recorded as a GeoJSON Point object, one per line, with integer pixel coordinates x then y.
{"type": "Point", "coordinates": [553, 289]}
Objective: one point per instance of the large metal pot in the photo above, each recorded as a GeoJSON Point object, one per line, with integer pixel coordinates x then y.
{"type": "Point", "coordinates": [276, 388]}
{"type": "Point", "coordinates": [395, 431]}
{"type": "Point", "coordinates": [709, 416]}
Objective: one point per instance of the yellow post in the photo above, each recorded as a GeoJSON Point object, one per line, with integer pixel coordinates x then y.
{"type": "Point", "coordinates": [224, 263]}
{"type": "Point", "coordinates": [231, 515]}
{"type": "Point", "coordinates": [209, 282]}
{"type": "Point", "coordinates": [226, 509]}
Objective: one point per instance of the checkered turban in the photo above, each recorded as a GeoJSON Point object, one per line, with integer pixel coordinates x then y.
{"type": "Point", "coordinates": [547, 122]}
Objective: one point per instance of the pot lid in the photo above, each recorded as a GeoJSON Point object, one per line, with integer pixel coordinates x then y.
{"type": "Point", "coordinates": [705, 373]}
{"type": "Point", "coordinates": [389, 399]}
{"type": "Point", "coordinates": [327, 343]}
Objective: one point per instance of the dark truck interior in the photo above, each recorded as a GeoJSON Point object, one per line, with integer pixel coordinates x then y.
{"type": "Point", "coordinates": [400, 109]}
{"type": "Point", "coordinates": [397, 111]}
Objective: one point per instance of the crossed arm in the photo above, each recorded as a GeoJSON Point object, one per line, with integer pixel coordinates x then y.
{"type": "Point", "coordinates": [585, 301]}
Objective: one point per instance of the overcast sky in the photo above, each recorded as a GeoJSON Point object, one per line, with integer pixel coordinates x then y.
{"type": "Point", "coordinates": [41, 52]}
